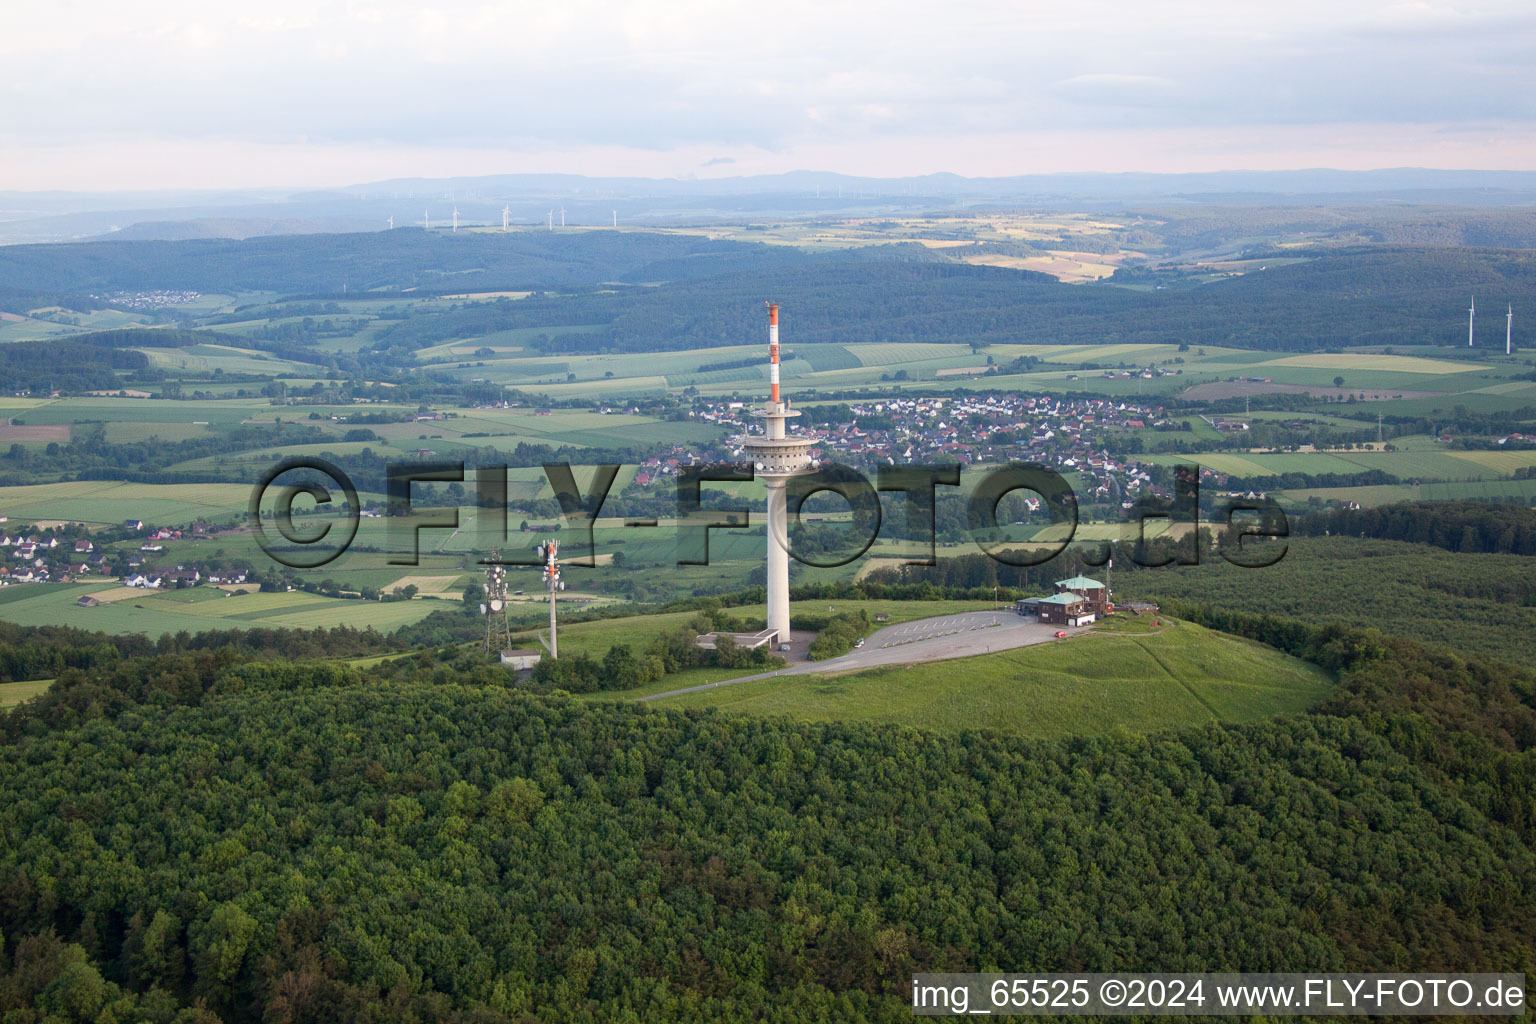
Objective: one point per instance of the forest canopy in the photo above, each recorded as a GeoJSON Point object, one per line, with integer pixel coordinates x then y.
{"type": "Point", "coordinates": [301, 841]}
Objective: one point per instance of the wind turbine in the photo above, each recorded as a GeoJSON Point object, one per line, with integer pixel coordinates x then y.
{"type": "Point", "coordinates": [1509, 330]}
{"type": "Point", "coordinates": [391, 222]}
{"type": "Point", "coordinates": [562, 216]}
{"type": "Point", "coordinates": [455, 218]}
{"type": "Point", "coordinates": [1471, 313]}
{"type": "Point", "coordinates": [426, 220]}
{"type": "Point", "coordinates": [615, 218]}
{"type": "Point", "coordinates": [506, 213]}
{"type": "Point", "coordinates": [551, 216]}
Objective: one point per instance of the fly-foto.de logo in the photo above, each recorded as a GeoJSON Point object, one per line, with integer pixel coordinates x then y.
{"type": "Point", "coordinates": [332, 513]}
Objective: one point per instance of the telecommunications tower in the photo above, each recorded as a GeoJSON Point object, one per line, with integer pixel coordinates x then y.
{"type": "Point", "coordinates": [498, 631]}
{"type": "Point", "coordinates": [550, 551]}
{"type": "Point", "coordinates": [776, 457]}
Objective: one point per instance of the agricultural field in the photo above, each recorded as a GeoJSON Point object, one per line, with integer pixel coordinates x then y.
{"type": "Point", "coordinates": [12, 694]}
{"type": "Point", "coordinates": [1447, 465]}
{"type": "Point", "coordinates": [1112, 678]}
{"type": "Point", "coordinates": [1523, 491]}
{"type": "Point", "coordinates": [211, 416]}
{"type": "Point", "coordinates": [209, 358]}
{"type": "Point", "coordinates": [109, 502]}
{"type": "Point", "coordinates": [198, 609]}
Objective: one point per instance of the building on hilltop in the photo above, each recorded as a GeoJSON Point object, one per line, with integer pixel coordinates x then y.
{"type": "Point", "coordinates": [1065, 609]}
{"type": "Point", "coordinates": [1094, 594]}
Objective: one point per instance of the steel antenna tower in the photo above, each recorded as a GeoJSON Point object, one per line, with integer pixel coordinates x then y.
{"type": "Point", "coordinates": [498, 631]}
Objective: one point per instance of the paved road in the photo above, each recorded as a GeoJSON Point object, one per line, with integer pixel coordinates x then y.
{"type": "Point", "coordinates": [945, 636]}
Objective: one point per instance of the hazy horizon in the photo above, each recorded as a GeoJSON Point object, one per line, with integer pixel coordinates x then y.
{"type": "Point", "coordinates": [173, 95]}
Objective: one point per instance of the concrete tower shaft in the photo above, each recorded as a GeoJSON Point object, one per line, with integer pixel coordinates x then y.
{"type": "Point", "coordinates": [777, 455]}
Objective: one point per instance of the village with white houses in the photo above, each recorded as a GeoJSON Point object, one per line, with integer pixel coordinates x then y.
{"type": "Point", "coordinates": [59, 554]}
{"type": "Point", "coordinates": [1091, 441]}
{"type": "Point", "coordinates": [1069, 434]}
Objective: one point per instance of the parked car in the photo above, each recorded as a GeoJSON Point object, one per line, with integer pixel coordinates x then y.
{"type": "Point", "coordinates": [1060, 633]}
{"type": "Point", "coordinates": [783, 647]}
{"type": "Point", "coordinates": [859, 642]}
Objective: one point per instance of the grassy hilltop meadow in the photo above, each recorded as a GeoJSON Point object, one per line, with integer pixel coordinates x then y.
{"type": "Point", "coordinates": [241, 791]}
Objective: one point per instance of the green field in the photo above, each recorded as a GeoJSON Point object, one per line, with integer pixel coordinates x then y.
{"type": "Point", "coordinates": [1475, 603]}
{"type": "Point", "coordinates": [1444, 464]}
{"type": "Point", "coordinates": [100, 501]}
{"type": "Point", "coordinates": [203, 608]}
{"type": "Point", "coordinates": [1091, 684]}
{"type": "Point", "coordinates": [208, 358]}
{"type": "Point", "coordinates": [1484, 490]}
{"type": "Point", "coordinates": [14, 693]}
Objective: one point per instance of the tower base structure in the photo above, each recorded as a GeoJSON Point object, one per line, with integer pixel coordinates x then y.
{"type": "Point", "coordinates": [778, 558]}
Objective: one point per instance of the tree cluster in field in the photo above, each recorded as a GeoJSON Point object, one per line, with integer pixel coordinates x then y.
{"type": "Point", "coordinates": [1477, 603]}
{"type": "Point", "coordinates": [66, 366]}
{"type": "Point", "coordinates": [43, 652]}
{"type": "Point", "coordinates": [1469, 527]}
{"type": "Point", "coordinates": [835, 634]}
{"type": "Point", "coordinates": [623, 668]}
{"type": "Point", "coordinates": [296, 841]}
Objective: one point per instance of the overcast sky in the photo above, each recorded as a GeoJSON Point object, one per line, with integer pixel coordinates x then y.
{"type": "Point", "coordinates": [187, 93]}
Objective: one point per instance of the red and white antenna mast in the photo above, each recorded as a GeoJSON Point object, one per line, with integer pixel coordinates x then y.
{"type": "Point", "coordinates": [773, 350]}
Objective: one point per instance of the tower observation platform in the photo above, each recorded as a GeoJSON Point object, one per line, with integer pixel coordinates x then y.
{"type": "Point", "coordinates": [777, 456]}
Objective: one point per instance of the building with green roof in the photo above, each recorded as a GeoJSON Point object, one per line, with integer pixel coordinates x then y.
{"type": "Point", "coordinates": [1093, 592]}
{"type": "Point", "coordinates": [1066, 609]}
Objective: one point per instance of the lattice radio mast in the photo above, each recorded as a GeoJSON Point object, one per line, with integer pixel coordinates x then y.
{"type": "Point", "coordinates": [498, 631]}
